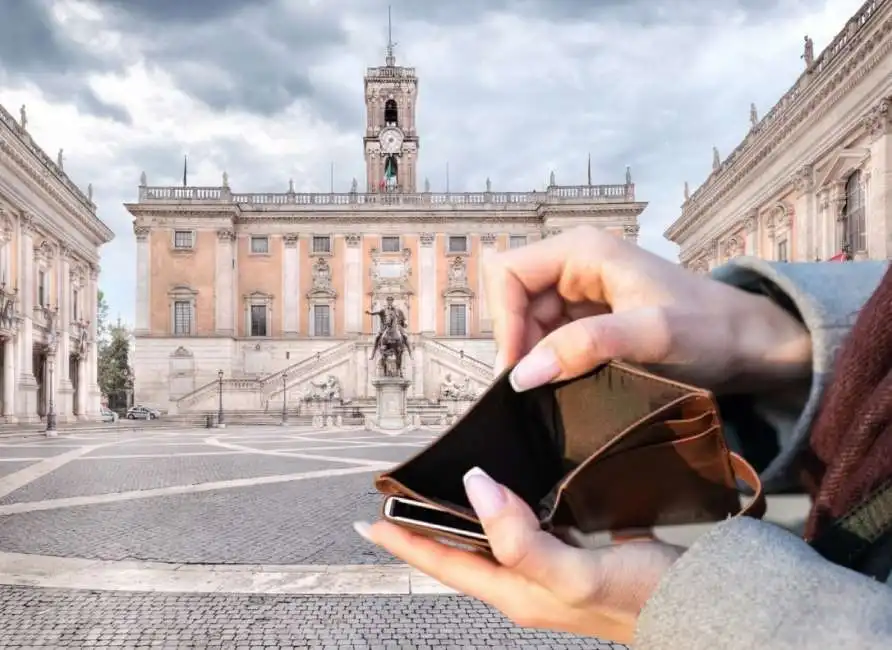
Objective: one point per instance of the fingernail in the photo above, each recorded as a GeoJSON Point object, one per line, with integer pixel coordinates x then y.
{"type": "Point", "coordinates": [539, 367]}
{"type": "Point", "coordinates": [486, 496]}
{"type": "Point", "coordinates": [362, 529]}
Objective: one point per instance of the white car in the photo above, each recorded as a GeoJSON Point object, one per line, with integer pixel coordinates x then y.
{"type": "Point", "coordinates": [108, 415]}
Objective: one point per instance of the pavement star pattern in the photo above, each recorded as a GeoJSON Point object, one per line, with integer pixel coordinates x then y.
{"type": "Point", "coordinates": [226, 538]}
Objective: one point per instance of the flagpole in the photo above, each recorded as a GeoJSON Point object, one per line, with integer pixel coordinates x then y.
{"type": "Point", "coordinates": [590, 170]}
{"type": "Point", "coordinates": [331, 178]}
{"type": "Point", "coordinates": [447, 178]}
{"type": "Point", "coordinates": [185, 169]}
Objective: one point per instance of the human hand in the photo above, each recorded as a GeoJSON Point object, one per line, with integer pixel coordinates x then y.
{"type": "Point", "coordinates": [564, 305]}
{"type": "Point", "coordinates": [537, 580]}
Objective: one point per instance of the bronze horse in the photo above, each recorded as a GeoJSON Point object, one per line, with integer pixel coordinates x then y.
{"type": "Point", "coordinates": [392, 346]}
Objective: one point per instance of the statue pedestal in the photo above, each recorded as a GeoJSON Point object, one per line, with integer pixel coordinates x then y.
{"type": "Point", "coordinates": [391, 393]}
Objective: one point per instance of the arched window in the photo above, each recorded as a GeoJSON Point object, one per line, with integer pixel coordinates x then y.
{"type": "Point", "coordinates": [391, 116]}
{"type": "Point", "coordinates": [390, 171]}
{"type": "Point", "coordinates": [853, 214]}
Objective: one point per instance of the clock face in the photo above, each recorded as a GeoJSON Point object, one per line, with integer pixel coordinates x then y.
{"type": "Point", "coordinates": [391, 140]}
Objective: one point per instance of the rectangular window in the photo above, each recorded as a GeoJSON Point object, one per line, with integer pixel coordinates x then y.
{"type": "Point", "coordinates": [782, 253]}
{"type": "Point", "coordinates": [390, 244]}
{"type": "Point", "coordinates": [458, 320]}
{"type": "Point", "coordinates": [321, 320]}
{"type": "Point", "coordinates": [321, 244]}
{"type": "Point", "coordinates": [458, 244]}
{"type": "Point", "coordinates": [516, 241]}
{"type": "Point", "coordinates": [74, 304]}
{"type": "Point", "coordinates": [41, 289]}
{"type": "Point", "coordinates": [258, 320]}
{"type": "Point", "coordinates": [260, 245]}
{"type": "Point", "coordinates": [182, 317]}
{"type": "Point", "coordinates": [182, 239]}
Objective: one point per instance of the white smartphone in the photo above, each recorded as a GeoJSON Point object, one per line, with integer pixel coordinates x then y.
{"type": "Point", "coordinates": [425, 515]}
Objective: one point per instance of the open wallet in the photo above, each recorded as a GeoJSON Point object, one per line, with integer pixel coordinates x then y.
{"type": "Point", "coordinates": [616, 449]}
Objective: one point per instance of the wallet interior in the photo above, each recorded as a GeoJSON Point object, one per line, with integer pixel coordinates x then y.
{"type": "Point", "coordinates": [612, 449]}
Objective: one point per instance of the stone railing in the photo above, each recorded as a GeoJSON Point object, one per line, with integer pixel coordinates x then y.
{"type": "Point", "coordinates": [269, 384]}
{"type": "Point", "coordinates": [484, 370]}
{"type": "Point", "coordinates": [826, 60]}
{"type": "Point", "coordinates": [624, 193]}
{"type": "Point", "coordinates": [22, 134]}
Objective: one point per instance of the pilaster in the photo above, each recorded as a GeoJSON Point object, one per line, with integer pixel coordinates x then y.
{"type": "Point", "coordinates": [26, 390]}
{"type": "Point", "coordinates": [805, 226]}
{"type": "Point", "coordinates": [751, 232]}
{"type": "Point", "coordinates": [353, 285]}
{"type": "Point", "coordinates": [291, 285]}
{"type": "Point", "coordinates": [488, 248]}
{"type": "Point", "coordinates": [879, 198]}
{"type": "Point", "coordinates": [143, 281]}
{"type": "Point", "coordinates": [630, 232]}
{"type": "Point", "coordinates": [427, 306]}
{"type": "Point", "coordinates": [224, 283]}
{"type": "Point", "coordinates": [94, 395]}
{"type": "Point", "coordinates": [65, 390]}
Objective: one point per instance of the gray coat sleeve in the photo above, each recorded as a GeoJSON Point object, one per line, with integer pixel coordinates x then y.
{"type": "Point", "coordinates": [749, 584]}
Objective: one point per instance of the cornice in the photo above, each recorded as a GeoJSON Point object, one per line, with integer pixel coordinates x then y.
{"type": "Point", "coordinates": [814, 102]}
{"type": "Point", "coordinates": [89, 222]}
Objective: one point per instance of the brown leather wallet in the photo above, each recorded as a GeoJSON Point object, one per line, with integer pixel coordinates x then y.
{"type": "Point", "coordinates": [616, 449]}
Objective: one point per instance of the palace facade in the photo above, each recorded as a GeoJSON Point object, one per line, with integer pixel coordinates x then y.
{"type": "Point", "coordinates": [264, 297]}
{"type": "Point", "coordinates": [812, 180]}
{"type": "Point", "coordinates": [49, 268]}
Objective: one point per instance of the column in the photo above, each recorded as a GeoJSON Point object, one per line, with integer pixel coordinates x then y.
{"type": "Point", "coordinates": [427, 301]}
{"type": "Point", "coordinates": [224, 283]}
{"type": "Point", "coordinates": [630, 232]}
{"type": "Point", "coordinates": [9, 379]}
{"type": "Point", "coordinates": [353, 304]}
{"type": "Point", "coordinates": [143, 282]}
{"type": "Point", "coordinates": [488, 248]}
{"type": "Point", "coordinates": [291, 286]}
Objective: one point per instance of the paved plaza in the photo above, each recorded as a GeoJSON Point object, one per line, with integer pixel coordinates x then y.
{"type": "Point", "coordinates": [229, 538]}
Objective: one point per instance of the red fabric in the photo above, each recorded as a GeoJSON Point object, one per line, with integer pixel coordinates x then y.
{"type": "Point", "coordinates": [850, 448]}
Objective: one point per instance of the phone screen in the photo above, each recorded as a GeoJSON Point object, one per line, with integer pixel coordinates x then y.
{"type": "Point", "coordinates": [407, 510]}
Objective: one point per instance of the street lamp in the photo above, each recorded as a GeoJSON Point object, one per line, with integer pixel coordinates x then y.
{"type": "Point", "coordinates": [284, 398]}
{"type": "Point", "coordinates": [220, 396]}
{"type": "Point", "coordinates": [50, 315]}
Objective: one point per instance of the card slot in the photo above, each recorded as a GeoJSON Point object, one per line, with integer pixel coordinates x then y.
{"type": "Point", "coordinates": [664, 431]}
{"type": "Point", "coordinates": [668, 483]}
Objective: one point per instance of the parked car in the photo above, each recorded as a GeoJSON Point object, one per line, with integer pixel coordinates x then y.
{"type": "Point", "coordinates": [142, 413]}
{"type": "Point", "coordinates": [108, 415]}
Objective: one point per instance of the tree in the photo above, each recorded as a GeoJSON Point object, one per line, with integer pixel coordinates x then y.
{"type": "Point", "coordinates": [102, 329]}
{"type": "Point", "coordinates": [115, 375]}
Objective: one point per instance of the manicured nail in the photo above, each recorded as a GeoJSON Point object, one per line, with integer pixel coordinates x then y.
{"type": "Point", "coordinates": [486, 496]}
{"type": "Point", "coordinates": [362, 529]}
{"type": "Point", "coordinates": [539, 367]}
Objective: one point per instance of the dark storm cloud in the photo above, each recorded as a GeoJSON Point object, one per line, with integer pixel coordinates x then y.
{"type": "Point", "coordinates": [252, 56]}
{"type": "Point", "coordinates": [642, 12]}
{"type": "Point", "coordinates": [32, 46]}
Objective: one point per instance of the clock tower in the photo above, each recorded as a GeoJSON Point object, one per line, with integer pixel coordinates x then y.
{"type": "Point", "coordinates": [391, 142]}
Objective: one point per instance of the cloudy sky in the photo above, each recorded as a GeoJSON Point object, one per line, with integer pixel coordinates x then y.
{"type": "Point", "coordinates": [509, 89]}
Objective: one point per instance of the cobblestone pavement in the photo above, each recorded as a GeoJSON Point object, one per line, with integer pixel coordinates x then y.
{"type": "Point", "coordinates": [246, 496]}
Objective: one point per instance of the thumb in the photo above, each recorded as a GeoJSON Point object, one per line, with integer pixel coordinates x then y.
{"type": "Point", "coordinates": [518, 542]}
{"type": "Point", "coordinates": [637, 336]}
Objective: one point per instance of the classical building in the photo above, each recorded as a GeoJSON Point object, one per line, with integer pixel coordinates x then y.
{"type": "Point", "coordinates": [271, 292]}
{"type": "Point", "coordinates": [49, 266]}
{"type": "Point", "coordinates": [812, 180]}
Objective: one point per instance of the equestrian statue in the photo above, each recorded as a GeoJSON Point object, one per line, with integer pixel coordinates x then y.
{"type": "Point", "coordinates": [392, 339]}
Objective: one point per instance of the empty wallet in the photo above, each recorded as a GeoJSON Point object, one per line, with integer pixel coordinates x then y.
{"type": "Point", "coordinates": [616, 449]}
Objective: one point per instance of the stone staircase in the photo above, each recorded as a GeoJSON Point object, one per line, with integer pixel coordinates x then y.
{"type": "Point", "coordinates": [259, 400]}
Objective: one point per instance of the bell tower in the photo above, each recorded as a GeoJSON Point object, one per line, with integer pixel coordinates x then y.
{"type": "Point", "coordinates": [391, 142]}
